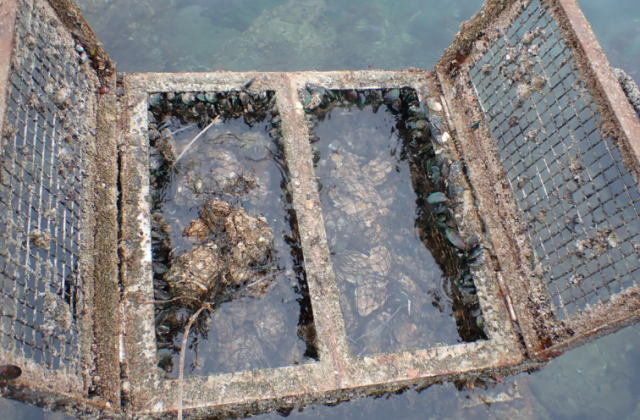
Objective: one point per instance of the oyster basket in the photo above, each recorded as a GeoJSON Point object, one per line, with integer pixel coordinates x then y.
{"type": "Point", "coordinates": [524, 98]}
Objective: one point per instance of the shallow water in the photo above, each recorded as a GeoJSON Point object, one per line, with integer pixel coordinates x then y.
{"type": "Point", "coordinates": [260, 310]}
{"type": "Point", "coordinates": [596, 381]}
{"type": "Point", "coordinates": [372, 198]}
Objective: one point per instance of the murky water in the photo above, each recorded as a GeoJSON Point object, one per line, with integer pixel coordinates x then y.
{"type": "Point", "coordinates": [596, 381]}
{"type": "Point", "coordinates": [218, 192]}
{"type": "Point", "coordinates": [394, 267]}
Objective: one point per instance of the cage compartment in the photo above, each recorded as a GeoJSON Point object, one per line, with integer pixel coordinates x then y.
{"type": "Point", "coordinates": [224, 233]}
{"type": "Point", "coordinates": [548, 142]}
{"type": "Point", "coordinates": [389, 201]}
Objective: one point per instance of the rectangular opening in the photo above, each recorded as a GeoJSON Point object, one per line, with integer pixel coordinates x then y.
{"type": "Point", "coordinates": [389, 204]}
{"type": "Point", "coordinates": [224, 233]}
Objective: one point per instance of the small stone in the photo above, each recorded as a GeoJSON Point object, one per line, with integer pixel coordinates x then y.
{"type": "Point", "coordinates": [308, 204]}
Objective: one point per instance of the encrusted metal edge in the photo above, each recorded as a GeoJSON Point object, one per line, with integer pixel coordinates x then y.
{"type": "Point", "coordinates": [338, 374]}
{"type": "Point", "coordinates": [496, 201]}
{"type": "Point", "coordinates": [71, 16]}
{"type": "Point", "coordinates": [58, 389]}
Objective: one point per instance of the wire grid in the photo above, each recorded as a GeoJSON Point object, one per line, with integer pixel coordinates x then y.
{"type": "Point", "coordinates": [580, 202]}
{"type": "Point", "coordinates": [40, 183]}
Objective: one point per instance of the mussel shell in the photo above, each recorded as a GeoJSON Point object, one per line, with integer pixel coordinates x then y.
{"type": "Point", "coordinates": [391, 96]}
{"type": "Point", "coordinates": [454, 190]}
{"type": "Point", "coordinates": [469, 289]}
{"type": "Point", "coordinates": [350, 95]}
{"type": "Point", "coordinates": [420, 125]}
{"type": "Point", "coordinates": [375, 96]}
{"type": "Point", "coordinates": [465, 279]}
{"type": "Point", "coordinates": [475, 312]}
{"type": "Point", "coordinates": [473, 253]}
{"type": "Point", "coordinates": [224, 104]}
{"type": "Point", "coordinates": [476, 261]}
{"type": "Point", "coordinates": [451, 219]}
{"type": "Point", "coordinates": [155, 100]}
{"type": "Point", "coordinates": [437, 198]}
{"type": "Point", "coordinates": [456, 240]}
{"type": "Point", "coordinates": [454, 169]}
{"type": "Point", "coordinates": [435, 174]}
{"type": "Point", "coordinates": [315, 88]}
{"type": "Point", "coordinates": [210, 97]}
{"type": "Point", "coordinates": [159, 268]}
{"type": "Point", "coordinates": [437, 125]}
{"type": "Point", "coordinates": [305, 96]}
{"type": "Point", "coordinates": [437, 161]}
{"type": "Point", "coordinates": [163, 328]}
{"type": "Point", "coordinates": [473, 241]}
{"type": "Point", "coordinates": [416, 110]}
{"type": "Point", "coordinates": [161, 295]}
{"type": "Point", "coordinates": [316, 154]}
{"type": "Point", "coordinates": [188, 98]}
{"type": "Point", "coordinates": [440, 208]}
{"type": "Point", "coordinates": [409, 95]}
{"type": "Point", "coordinates": [158, 235]}
{"type": "Point", "coordinates": [9, 372]}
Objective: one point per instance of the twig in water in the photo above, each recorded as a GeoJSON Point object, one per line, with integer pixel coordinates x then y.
{"type": "Point", "coordinates": [267, 277]}
{"type": "Point", "coordinates": [216, 120]}
{"type": "Point", "coordinates": [185, 338]}
{"type": "Point", "coordinates": [379, 329]}
{"type": "Point", "coordinates": [180, 130]}
{"type": "Point", "coordinates": [167, 301]}
{"type": "Point", "coordinates": [380, 326]}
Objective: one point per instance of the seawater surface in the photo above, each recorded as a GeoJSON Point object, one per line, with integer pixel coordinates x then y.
{"type": "Point", "coordinates": [596, 381]}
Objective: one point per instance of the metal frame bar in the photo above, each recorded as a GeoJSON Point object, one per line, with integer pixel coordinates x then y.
{"type": "Point", "coordinates": [338, 375]}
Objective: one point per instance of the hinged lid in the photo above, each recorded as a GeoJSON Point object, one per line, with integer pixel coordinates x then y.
{"type": "Point", "coordinates": [553, 158]}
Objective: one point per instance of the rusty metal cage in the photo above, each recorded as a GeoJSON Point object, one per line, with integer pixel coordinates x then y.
{"type": "Point", "coordinates": [524, 98]}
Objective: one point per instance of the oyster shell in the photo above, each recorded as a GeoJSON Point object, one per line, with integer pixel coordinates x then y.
{"type": "Point", "coordinates": [369, 274]}
{"type": "Point", "coordinates": [230, 242]}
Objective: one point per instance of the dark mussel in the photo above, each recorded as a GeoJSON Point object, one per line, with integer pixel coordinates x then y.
{"type": "Point", "coordinates": [9, 372]}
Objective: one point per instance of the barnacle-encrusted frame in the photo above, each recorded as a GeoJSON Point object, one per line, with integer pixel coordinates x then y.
{"type": "Point", "coordinates": [545, 330]}
{"type": "Point", "coordinates": [338, 375]}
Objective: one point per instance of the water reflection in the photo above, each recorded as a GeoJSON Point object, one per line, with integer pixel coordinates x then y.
{"type": "Point", "coordinates": [270, 35]}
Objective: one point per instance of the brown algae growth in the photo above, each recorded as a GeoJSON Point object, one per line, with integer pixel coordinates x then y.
{"type": "Point", "coordinates": [389, 203]}
{"type": "Point", "coordinates": [224, 233]}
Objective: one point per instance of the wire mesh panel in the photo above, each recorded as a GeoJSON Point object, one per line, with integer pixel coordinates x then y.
{"type": "Point", "coordinates": [579, 199]}
{"type": "Point", "coordinates": [571, 174]}
{"type": "Point", "coordinates": [45, 197]}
